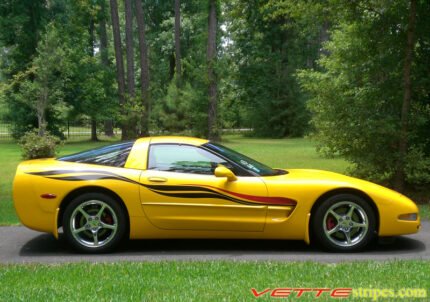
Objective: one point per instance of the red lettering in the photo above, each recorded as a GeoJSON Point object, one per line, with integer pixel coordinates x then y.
{"type": "Point", "coordinates": [320, 291]}
{"type": "Point", "coordinates": [300, 291]}
{"type": "Point", "coordinates": [281, 292]}
{"type": "Point", "coordinates": [258, 294]}
{"type": "Point", "coordinates": [341, 292]}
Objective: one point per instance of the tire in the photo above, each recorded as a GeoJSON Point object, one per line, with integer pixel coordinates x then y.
{"type": "Point", "coordinates": [94, 223]}
{"type": "Point", "coordinates": [344, 223]}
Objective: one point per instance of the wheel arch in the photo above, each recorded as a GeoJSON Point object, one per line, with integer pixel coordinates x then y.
{"type": "Point", "coordinates": [339, 191]}
{"type": "Point", "coordinates": [91, 189]}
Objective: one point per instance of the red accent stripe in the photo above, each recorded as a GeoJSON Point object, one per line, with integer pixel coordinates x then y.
{"type": "Point", "coordinates": [260, 199]}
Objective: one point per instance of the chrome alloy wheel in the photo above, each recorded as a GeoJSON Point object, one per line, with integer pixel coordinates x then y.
{"type": "Point", "coordinates": [345, 223]}
{"type": "Point", "coordinates": [93, 223]}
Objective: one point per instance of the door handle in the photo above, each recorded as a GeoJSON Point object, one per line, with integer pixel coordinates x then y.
{"type": "Point", "coordinates": [157, 179]}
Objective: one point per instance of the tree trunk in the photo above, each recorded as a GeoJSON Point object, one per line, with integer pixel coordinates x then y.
{"type": "Point", "coordinates": [211, 60]}
{"type": "Point", "coordinates": [104, 51]}
{"type": "Point", "coordinates": [108, 128]}
{"type": "Point", "coordinates": [131, 123]}
{"type": "Point", "coordinates": [399, 176]}
{"type": "Point", "coordinates": [178, 42]}
{"type": "Point", "coordinates": [104, 55]}
{"type": "Point", "coordinates": [324, 37]}
{"type": "Point", "coordinates": [129, 47]}
{"type": "Point", "coordinates": [42, 104]}
{"type": "Point", "coordinates": [118, 59]}
{"type": "Point", "coordinates": [144, 69]}
{"type": "Point", "coordinates": [41, 123]}
{"type": "Point", "coordinates": [171, 66]}
{"type": "Point", "coordinates": [94, 137]}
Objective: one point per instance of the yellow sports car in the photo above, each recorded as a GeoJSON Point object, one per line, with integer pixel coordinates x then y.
{"type": "Point", "coordinates": [181, 187]}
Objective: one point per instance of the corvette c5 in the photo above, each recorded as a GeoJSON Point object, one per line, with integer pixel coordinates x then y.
{"type": "Point", "coordinates": [181, 187]}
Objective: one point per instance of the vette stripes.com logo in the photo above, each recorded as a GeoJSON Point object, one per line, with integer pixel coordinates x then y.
{"type": "Point", "coordinates": [351, 293]}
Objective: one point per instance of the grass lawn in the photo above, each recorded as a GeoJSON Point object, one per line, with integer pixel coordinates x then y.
{"type": "Point", "coordinates": [204, 281]}
{"type": "Point", "coordinates": [285, 153]}
{"type": "Point", "coordinates": [282, 153]}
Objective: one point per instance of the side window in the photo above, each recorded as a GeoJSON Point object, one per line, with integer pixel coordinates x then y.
{"type": "Point", "coordinates": [112, 155]}
{"type": "Point", "coordinates": [183, 159]}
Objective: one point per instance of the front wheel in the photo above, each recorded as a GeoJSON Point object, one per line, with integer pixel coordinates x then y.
{"type": "Point", "coordinates": [94, 223]}
{"type": "Point", "coordinates": [344, 223]}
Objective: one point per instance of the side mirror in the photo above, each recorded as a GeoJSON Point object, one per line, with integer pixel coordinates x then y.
{"type": "Point", "coordinates": [222, 171]}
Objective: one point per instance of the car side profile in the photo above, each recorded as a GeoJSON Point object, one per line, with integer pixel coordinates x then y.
{"type": "Point", "coordinates": [183, 187]}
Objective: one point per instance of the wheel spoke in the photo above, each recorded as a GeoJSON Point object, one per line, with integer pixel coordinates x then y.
{"type": "Point", "coordinates": [351, 211]}
{"type": "Point", "coordinates": [348, 237]}
{"type": "Point", "coordinates": [100, 212]}
{"type": "Point", "coordinates": [95, 238]}
{"type": "Point", "coordinates": [107, 226]}
{"type": "Point", "coordinates": [358, 225]}
{"type": "Point", "coordinates": [335, 215]}
{"type": "Point", "coordinates": [333, 230]}
{"type": "Point", "coordinates": [82, 211]}
{"type": "Point", "coordinates": [76, 231]}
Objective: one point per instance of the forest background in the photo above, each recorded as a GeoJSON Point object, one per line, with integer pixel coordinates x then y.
{"type": "Point", "coordinates": [353, 75]}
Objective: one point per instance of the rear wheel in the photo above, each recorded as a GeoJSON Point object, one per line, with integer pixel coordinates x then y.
{"type": "Point", "coordinates": [344, 223]}
{"type": "Point", "coordinates": [94, 223]}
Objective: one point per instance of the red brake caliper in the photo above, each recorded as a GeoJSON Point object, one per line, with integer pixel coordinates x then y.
{"type": "Point", "coordinates": [330, 223]}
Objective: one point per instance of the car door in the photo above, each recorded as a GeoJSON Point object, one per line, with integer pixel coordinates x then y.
{"type": "Point", "coordinates": [180, 191]}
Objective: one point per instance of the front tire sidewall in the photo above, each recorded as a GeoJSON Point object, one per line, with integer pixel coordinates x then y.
{"type": "Point", "coordinates": [318, 222]}
{"type": "Point", "coordinates": [121, 221]}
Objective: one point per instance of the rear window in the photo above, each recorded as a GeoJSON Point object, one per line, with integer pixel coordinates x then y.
{"type": "Point", "coordinates": [112, 155]}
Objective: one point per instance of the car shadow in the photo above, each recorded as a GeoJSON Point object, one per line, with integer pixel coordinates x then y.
{"type": "Point", "coordinates": [46, 245]}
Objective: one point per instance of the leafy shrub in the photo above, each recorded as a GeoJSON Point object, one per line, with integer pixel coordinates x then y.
{"type": "Point", "coordinates": [35, 146]}
{"type": "Point", "coordinates": [356, 103]}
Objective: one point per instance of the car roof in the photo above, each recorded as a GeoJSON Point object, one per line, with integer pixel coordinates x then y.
{"type": "Point", "coordinates": [174, 140]}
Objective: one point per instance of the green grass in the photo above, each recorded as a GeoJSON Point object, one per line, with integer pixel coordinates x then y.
{"type": "Point", "coordinates": [201, 281]}
{"type": "Point", "coordinates": [424, 210]}
{"type": "Point", "coordinates": [285, 153]}
{"type": "Point", "coordinates": [282, 153]}
{"type": "Point", "coordinates": [9, 157]}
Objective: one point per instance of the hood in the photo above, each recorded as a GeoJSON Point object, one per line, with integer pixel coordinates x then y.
{"type": "Point", "coordinates": [329, 180]}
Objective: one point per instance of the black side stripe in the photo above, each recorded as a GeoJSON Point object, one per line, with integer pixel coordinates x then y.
{"type": "Point", "coordinates": [53, 174]}
{"type": "Point", "coordinates": [165, 190]}
{"type": "Point", "coordinates": [206, 195]}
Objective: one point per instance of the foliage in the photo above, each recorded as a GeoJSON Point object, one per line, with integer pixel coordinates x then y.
{"type": "Point", "coordinates": [38, 89]}
{"type": "Point", "coordinates": [266, 51]}
{"type": "Point", "coordinates": [89, 88]}
{"type": "Point", "coordinates": [35, 146]}
{"type": "Point", "coordinates": [63, 78]}
{"type": "Point", "coordinates": [178, 109]}
{"type": "Point", "coordinates": [357, 93]}
{"type": "Point", "coordinates": [279, 64]}
{"type": "Point", "coordinates": [22, 22]}
{"type": "Point", "coordinates": [178, 112]}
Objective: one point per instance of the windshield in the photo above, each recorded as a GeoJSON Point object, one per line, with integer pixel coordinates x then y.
{"type": "Point", "coordinates": [243, 161]}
